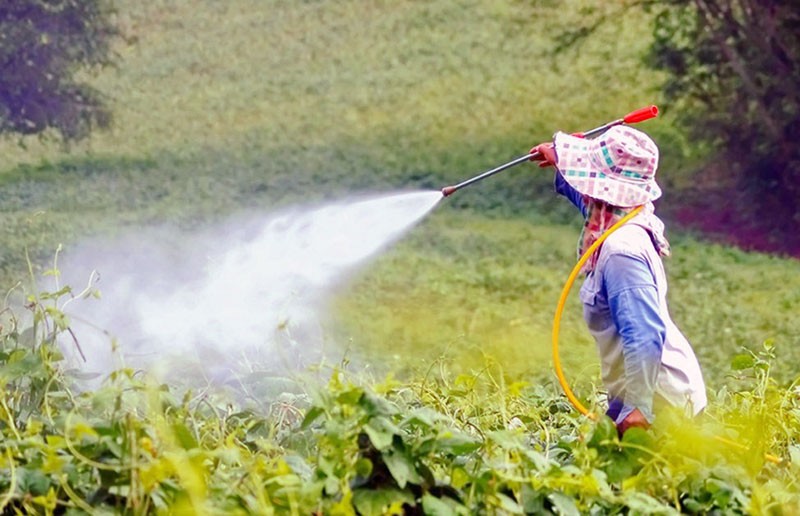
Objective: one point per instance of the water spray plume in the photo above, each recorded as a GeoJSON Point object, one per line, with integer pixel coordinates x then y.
{"type": "Point", "coordinates": [634, 117]}
{"type": "Point", "coordinates": [252, 291]}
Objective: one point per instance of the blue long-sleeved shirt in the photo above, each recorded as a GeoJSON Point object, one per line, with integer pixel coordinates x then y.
{"type": "Point", "coordinates": [629, 286]}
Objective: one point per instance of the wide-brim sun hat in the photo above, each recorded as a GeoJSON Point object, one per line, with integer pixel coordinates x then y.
{"type": "Point", "coordinates": [618, 167]}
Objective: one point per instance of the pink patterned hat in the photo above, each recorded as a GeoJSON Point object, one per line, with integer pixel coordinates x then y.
{"type": "Point", "coordinates": [618, 167]}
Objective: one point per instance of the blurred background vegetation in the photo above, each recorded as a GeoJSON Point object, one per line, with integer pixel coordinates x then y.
{"type": "Point", "coordinates": [187, 111]}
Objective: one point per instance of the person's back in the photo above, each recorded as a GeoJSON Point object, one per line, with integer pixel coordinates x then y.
{"type": "Point", "coordinates": [679, 378]}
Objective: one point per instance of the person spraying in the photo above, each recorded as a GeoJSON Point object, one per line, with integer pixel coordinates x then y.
{"type": "Point", "coordinates": [646, 361]}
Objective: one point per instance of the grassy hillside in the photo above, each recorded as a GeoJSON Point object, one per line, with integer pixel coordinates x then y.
{"type": "Point", "coordinates": [263, 75]}
{"type": "Point", "coordinates": [225, 106]}
{"type": "Point", "coordinates": [475, 290]}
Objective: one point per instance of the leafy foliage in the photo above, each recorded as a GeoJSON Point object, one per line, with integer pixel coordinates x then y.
{"type": "Point", "coordinates": [734, 71]}
{"type": "Point", "coordinates": [44, 47]}
{"type": "Point", "coordinates": [439, 445]}
{"type": "Point", "coordinates": [732, 75]}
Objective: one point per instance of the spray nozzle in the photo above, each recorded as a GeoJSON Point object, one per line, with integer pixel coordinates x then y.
{"type": "Point", "coordinates": [447, 190]}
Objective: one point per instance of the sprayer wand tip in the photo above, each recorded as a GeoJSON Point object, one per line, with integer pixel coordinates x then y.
{"type": "Point", "coordinates": [447, 190]}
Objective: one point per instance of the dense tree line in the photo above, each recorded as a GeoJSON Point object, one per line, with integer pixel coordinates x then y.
{"type": "Point", "coordinates": [734, 81]}
{"type": "Point", "coordinates": [735, 77]}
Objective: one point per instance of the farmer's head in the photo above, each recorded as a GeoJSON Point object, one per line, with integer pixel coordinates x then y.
{"type": "Point", "coordinates": [618, 167]}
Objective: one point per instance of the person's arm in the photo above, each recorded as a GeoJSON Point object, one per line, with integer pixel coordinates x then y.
{"type": "Point", "coordinates": [566, 189]}
{"type": "Point", "coordinates": [546, 155]}
{"type": "Point", "coordinates": [633, 301]}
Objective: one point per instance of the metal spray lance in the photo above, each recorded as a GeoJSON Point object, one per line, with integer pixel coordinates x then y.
{"type": "Point", "coordinates": [640, 115]}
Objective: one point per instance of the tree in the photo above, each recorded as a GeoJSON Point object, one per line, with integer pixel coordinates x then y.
{"type": "Point", "coordinates": [44, 46]}
{"type": "Point", "coordinates": [734, 82]}
{"type": "Point", "coordinates": [735, 74]}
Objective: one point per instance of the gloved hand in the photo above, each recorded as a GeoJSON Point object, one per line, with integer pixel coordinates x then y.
{"type": "Point", "coordinates": [545, 154]}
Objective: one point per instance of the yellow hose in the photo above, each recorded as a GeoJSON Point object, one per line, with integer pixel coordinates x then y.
{"type": "Point", "coordinates": [560, 309]}
{"type": "Point", "coordinates": [557, 327]}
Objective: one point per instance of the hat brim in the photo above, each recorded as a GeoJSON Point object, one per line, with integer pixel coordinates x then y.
{"type": "Point", "coordinates": [584, 166]}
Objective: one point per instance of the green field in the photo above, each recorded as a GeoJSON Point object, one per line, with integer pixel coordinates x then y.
{"type": "Point", "coordinates": [485, 288]}
{"type": "Point", "coordinates": [244, 106]}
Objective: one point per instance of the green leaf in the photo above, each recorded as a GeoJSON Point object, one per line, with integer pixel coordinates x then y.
{"type": "Point", "coordinates": [351, 397]}
{"type": "Point", "coordinates": [381, 432]}
{"type": "Point", "coordinates": [401, 466]}
{"type": "Point", "coordinates": [642, 503]}
{"type": "Point", "coordinates": [331, 486]}
{"type": "Point", "coordinates": [311, 416]}
{"type": "Point", "coordinates": [506, 439]}
{"type": "Point", "coordinates": [326, 466]}
{"type": "Point", "coordinates": [423, 417]}
{"type": "Point", "coordinates": [720, 491]}
{"type": "Point", "coordinates": [510, 440]}
{"type": "Point", "coordinates": [32, 481]}
{"type": "Point", "coordinates": [539, 461]}
{"type": "Point", "coordinates": [509, 505]}
{"type": "Point", "coordinates": [459, 477]}
{"type": "Point", "coordinates": [370, 502]}
{"type": "Point", "coordinates": [457, 443]}
{"type": "Point", "coordinates": [742, 361]}
{"type": "Point", "coordinates": [433, 506]}
{"type": "Point", "coordinates": [563, 504]}
{"type": "Point", "coordinates": [299, 466]}
{"type": "Point", "coordinates": [27, 337]}
{"type": "Point", "coordinates": [20, 363]}
{"type": "Point", "coordinates": [693, 505]}
{"type": "Point", "coordinates": [532, 500]}
{"type": "Point", "coordinates": [185, 438]}
{"type": "Point", "coordinates": [363, 467]}
{"type": "Point", "coordinates": [376, 406]}
{"type": "Point", "coordinates": [637, 436]}
{"type": "Point", "coordinates": [620, 467]}
{"type": "Point", "coordinates": [605, 432]}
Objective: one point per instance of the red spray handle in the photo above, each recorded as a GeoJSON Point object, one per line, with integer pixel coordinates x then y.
{"type": "Point", "coordinates": [634, 117]}
{"type": "Point", "coordinates": [640, 115]}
